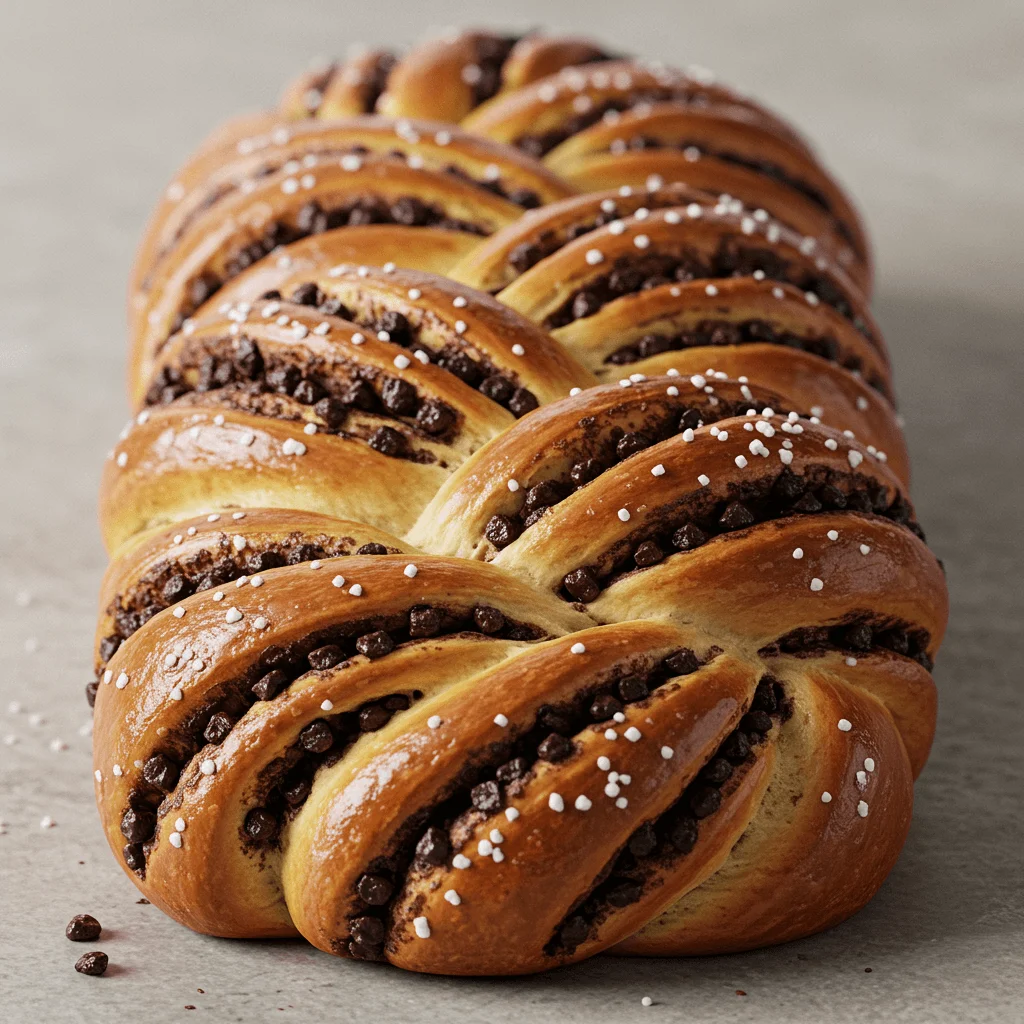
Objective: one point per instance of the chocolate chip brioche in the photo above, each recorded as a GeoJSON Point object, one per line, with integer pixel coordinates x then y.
{"type": "Point", "coordinates": [512, 556]}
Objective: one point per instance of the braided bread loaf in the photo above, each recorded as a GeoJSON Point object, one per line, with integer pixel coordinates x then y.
{"type": "Point", "coordinates": [511, 554]}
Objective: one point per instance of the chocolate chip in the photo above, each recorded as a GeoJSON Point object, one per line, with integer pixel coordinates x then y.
{"type": "Point", "coordinates": [397, 326]}
{"type": "Point", "coordinates": [261, 561]}
{"type": "Point", "coordinates": [134, 857]}
{"type": "Point", "coordinates": [399, 397]}
{"type": "Point", "coordinates": [581, 584]}
{"type": "Point", "coordinates": [317, 737]}
{"type": "Point", "coordinates": [335, 307]}
{"type": "Point", "coordinates": [652, 345]}
{"type": "Point", "coordinates": [433, 848]}
{"type": "Point", "coordinates": [858, 637]}
{"type": "Point", "coordinates": [631, 443]}
{"type": "Point", "coordinates": [260, 826]}
{"type": "Point", "coordinates": [93, 964]}
{"type": "Point", "coordinates": [435, 418]}
{"type": "Point", "coordinates": [325, 657]}
{"type": "Point", "coordinates": [359, 395]}
{"type": "Point", "coordinates": [497, 388]}
{"type": "Point", "coordinates": [682, 662]}
{"type": "Point", "coordinates": [690, 420]}
{"type": "Point", "coordinates": [162, 772]}
{"type": "Point", "coordinates": [295, 792]}
{"type": "Point", "coordinates": [310, 220]}
{"type": "Point", "coordinates": [376, 644]}
{"type": "Point", "coordinates": [410, 211]}
{"type": "Point", "coordinates": [524, 197]}
{"type": "Point", "coordinates": [648, 554]}
{"type": "Point", "coordinates": [176, 588]}
{"type": "Point", "coordinates": [374, 717]}
{"type": "Point", "coordinates": [764, 696]}
{"type": "Point", "coordinates": [424, 621]}
{"type": "Point", "coordinates": [307, 294]}
{"type": "Point", "coordinates": [624, 893]}
{"type": "Point", "coordinates": [534, 516]}
{"type": "Point", "coordinates": [717, 771]}
{"type": "Point", "coordinates": [248, 358]}
{"type": "Point", "coordinates": [90, 692]}
{"type": "Point", "coordinates": [108, 647]}
{"type": "Point", "coordinates": [625, 279]}
{"type": "Point", "coordinates": [633, 688]}
{"type": "Point", "coordinates": [555, 748]}
{"type": "Point", "coordinates": [83, 928]}
{"type": "Point", "coordinates": [522, 402]}
{"type": "Point", "coordinates": [308, 392]}
{"type": "Point", "coordinates": [736, 747]}
{"type": "Point", "coordinates": [524, 256]}
{"type": "Point", "coordinates": [136, 825]}
{"type": "Point", "coordinates": [688, 537]}
{"type": "Point", "coordinates": [704, 800]}
{"type": "Point", "coordinates": [218, 727]}
{"type": "Point", "coordinates": [574, 931]}
{"type": "Point", "coordinates": [808, 503]}
{"type": "Point", "coordinates": [303, 553]}
{"type": "Point", "coordinates": [683, 834]}
{"type": "Point", "coordinates": [585, 304]}
{"type": "Point", "coordinates": [512, 770]}
{"type": "Point", "coordinates": [556, 720]}
{"type": "Point", "coordinates": [501, 530]}
{"type": "Point", "coordinates": [373, 548]}
{"type": "Point", "coordinates": [604, 708]}
{"type": "Point", "coordinates": [375, 890]}
{"type": "Point", "coordinates": [895, 640]}
{"type": "Point", "coordinates": [458, 363]}
{"type": "Point", "coordinates": [756, 721]}
{"type": "Point", "coordinates": [788, 486]}
{"type": "Point", "coordinates": [736, 516]}
{"type": "Point", "coordinates": [387, 441]}
{"type": "Point", "coordinates": [268, 686]}
{"type": "Point", "coordinates": [486, 797]}
{"type": "Point", "coordinates": [488, 620]}
{"type": "Point", "coordinates": [643, 841]}
{"type": "Point", "coordinates": [547, 492]}
{"type": "Point", "coordinates": [831, 497]}
{"type": "Point", "coordinates": [367, 930]}
{"type": "Point", "coordinates": [284, 379]}
{"type": "Point", "coordinates": [585, 471]}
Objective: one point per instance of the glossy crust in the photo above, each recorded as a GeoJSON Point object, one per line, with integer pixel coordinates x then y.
{"type": "Point", "coordinates": [571, 601]}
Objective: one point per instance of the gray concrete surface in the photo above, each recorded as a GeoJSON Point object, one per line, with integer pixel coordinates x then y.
{"type": "Point", "coordinates": [919, 106]}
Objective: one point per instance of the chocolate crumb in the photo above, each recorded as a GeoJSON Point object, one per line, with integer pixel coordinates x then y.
{"type": "Point", "coordinates": [83, 928]}
{"type": "Point", "coordinates": [93, 964]}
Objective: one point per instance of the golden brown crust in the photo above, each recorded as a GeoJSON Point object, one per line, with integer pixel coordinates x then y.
{"type": "Point", "coordinates": [572, 602]}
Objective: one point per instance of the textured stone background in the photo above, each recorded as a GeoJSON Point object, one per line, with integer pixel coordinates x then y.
{"type": "Point", "coordinates": [918, 105]}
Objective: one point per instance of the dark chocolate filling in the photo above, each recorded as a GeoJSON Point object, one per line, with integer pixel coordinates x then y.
{"type": "Point", "coordinates": [271, 674]}
{"type": "Point", "coordinates": [859, 634]}
{"type": "Point", "coordinates": [746, 332]}
{"type": "Point", "coordinates": [172, 580]}
{"type": "Point", "coordinates": [475, 371]}
{"type": "Point", "coordinates": [659, 843]}
{"type": "Point", "coordinates": [319, 220]}
{"type": "Point", "coordinates": [641, 271]}
{"type": "Point", "coordinates": [245, 378]}
{"type": "Point", "coordinates": [311, 219]}
{"type": "Point", "coordinates": [489, 778]}
{"type": "Point", "coordinates": [700, 516]}
{"type": "Point", "coordinates": [539, 144]}
{"type": "Point", "coordinates": [766, 167]}
{"type": "Point", "coordinates": [591, 457]}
